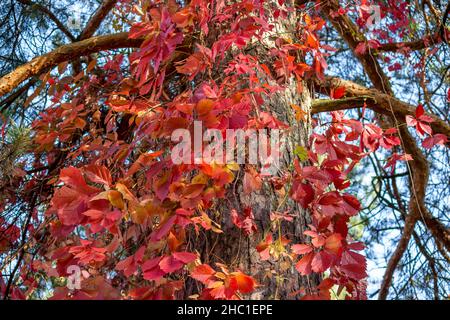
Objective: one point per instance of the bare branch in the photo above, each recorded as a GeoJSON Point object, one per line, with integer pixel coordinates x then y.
{"type": "Point", "coordinates": [5, 103]}
{"type": "Point", "coordinates": [325, 105]}
{"type": "Point", "coordinates": [408, 229]}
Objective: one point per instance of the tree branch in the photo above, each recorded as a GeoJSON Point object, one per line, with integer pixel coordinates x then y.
{"type": "Point", "coordinates": [375, 100]}
{"type": "Point", "coordinates": [5, 103]}
{"type": "Point", "coordinates": [326, 105]}
{"type": "Point", "coordinates": [96, 19]}
{"type": "Point", "coordinates": [418, 168]}
{"type": "Point", "coordinates": [65, 53]}
{"type": "Point", "coordinates": [51, 16]}
{"type": "Point", "coordinates": [423, 43]}
{"type": "Point", "coordinates": [408, 229]}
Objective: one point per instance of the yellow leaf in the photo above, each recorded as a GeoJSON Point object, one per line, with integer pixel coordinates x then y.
{"type": "Point", "coordinates": [233, 166]}
{"type": "Point", "coordinates": [115, 197]}
{"type": "Point", "coordinates": [201, 178]}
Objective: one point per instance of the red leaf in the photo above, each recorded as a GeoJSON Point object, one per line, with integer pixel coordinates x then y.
{"type": "Point", "coordinates": [333, 243]}
{"type": "Point", "coordinates": [151, 269]}
{"type": "Point", "coordinates": [99, 174]}
{"type": "Point", "coordinates": [252, 181]}
{"type": "Point", "coordinates": [423, 128]}
{"type": "Point", "coordinates": [410, 121]}
{"type": "Point", "coordinates": [170, 264]}
{"type": "Point", "coordinates": [203, 273]}
{"type": "Point", "coordinates": [164, 229]}
{"type": "Point", "coordinates": [73, 178]}
{"type": "Point", "coordinates": [338, 92]}
{"type": "Point", "coordinates": [318, 241]}
{"type": "Point", "coordinates": [264, 247]}
{"type": "Point", "coordinates": [354, 271]}
{"type": "Point", "coordinates": [419, 111]}
{"type": "Point", "coordinates": [303, 193]}
{"type": "Point", "coordinates": [246, 222]}
{"type": "Point", "coordinates": [356, 246]}
{"type": "Point", "coordinates": [153, 274]}
{"type": "Point", "coordinates": [430, 142]}
{"type": "Point", "coordinates": [301, 248]}
{"type": "Point", "coordinates": [185, 257]}
{"type": "Point", "coordinates": [321, 262]}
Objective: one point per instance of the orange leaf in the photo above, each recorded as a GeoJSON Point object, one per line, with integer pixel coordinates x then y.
{"type": "Point", "coordinates": [252, 181]}
{"type": "Point", "coordinates": [204, 106]}
{"type": "Point", "coordinates": [334, 243]}
{"type": "Point", "coordinates": [242, 282]}
{"type": "Point", "coordinates": [115, 197]}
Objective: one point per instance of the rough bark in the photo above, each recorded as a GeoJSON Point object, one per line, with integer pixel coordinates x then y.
{"type": "Point", "coordinates": [97, 18]}
{"type": "Point", "coordinates": [278, 278]}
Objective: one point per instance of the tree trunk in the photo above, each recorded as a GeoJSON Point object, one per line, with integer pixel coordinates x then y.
{"type": "Point", "coordinates": [277, 277]}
